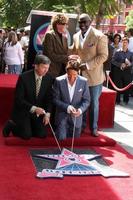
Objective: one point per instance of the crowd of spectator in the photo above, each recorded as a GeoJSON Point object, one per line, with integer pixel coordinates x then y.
{"type": "Point", "coordinates": [120, 63]}
{"type": "Point", "coordinates": [97, 56]}
{"type": "Point", "coordinates": [13, 50]}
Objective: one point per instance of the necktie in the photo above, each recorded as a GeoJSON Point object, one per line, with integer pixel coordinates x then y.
{"type": "Point", "coordinates": [83, 35]}
{"type": "Point", "coordinates": [38, 84]}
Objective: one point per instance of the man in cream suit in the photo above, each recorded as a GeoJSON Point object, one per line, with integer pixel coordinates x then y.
{"type": "Point", "coordinates": [71, 97]}
{"type": "Point", "coordinates": [92, 47]}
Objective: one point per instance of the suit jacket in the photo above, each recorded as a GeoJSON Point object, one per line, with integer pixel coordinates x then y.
{"type": "Point", "coordinates": [94, 52]}
{"type": "Point", "coordinates": [25, 95]}
{"type": "Point", "coordinates": [56, 50]}
{"type": "Point", "coordinates": [61, 98]}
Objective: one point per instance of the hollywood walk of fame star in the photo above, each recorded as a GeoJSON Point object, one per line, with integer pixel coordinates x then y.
{"type": "Point", "coordinates": [70, 163]}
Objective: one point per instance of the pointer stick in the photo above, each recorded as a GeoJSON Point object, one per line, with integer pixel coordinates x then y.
{"type": "Point", "coordinates": [73, 133]}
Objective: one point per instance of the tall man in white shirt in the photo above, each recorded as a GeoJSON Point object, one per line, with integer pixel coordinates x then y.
{"type": "Point", "coordinates": [91, 46]}
{"type": "Point", "coordinates": [71, 97]}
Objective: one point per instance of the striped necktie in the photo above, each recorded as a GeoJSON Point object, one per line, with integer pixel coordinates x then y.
{"type": "Point", "coordinates": [38, 84]}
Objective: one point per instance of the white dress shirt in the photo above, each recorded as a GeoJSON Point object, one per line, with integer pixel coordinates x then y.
{"type": "Point", "coordinates": [71, 89]}
{"type": "Point", "coordinates": [82, 40]}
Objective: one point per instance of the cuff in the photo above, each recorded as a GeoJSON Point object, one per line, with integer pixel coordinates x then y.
{"type": "Point", "coordinates": [80, 111]}
{"type": "Point", "coordinates": [33, 108]}
{"type": "Point", "coordinates": [47, 114]}
{"type": "Point", "coordinates": [69, 108]}
{"type": "Point", "coordinates": [87, 66]}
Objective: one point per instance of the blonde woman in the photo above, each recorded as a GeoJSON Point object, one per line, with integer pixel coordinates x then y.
{"type": "Point", "coordinates": [13, 54]}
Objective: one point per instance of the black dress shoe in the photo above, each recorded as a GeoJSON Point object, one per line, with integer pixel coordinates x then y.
{"type": "Point", "coordinates": [7, 128]}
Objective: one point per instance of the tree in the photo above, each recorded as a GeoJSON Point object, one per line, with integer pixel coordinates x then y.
{"type": "Point", "coordinates": [15, 13]}
{"type": "Point", "coordinates": [129, 20]}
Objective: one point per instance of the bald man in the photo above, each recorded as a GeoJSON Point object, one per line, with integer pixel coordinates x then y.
{"type": "Point", "coordinates": [91, 46]}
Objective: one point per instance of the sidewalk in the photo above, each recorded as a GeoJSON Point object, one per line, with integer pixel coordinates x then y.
{"type": "Point", "coordinates": [123, 126]}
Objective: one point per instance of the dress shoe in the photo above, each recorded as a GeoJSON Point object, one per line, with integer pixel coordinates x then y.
{"type": "Point", "coordinates": [7, 128]}
{"type": "Point", "coordinates": [95, 133]}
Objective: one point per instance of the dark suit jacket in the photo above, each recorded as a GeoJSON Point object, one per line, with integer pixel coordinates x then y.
{"type": "Point", "coordinates": [81, 99]}
{"type": "Point", "coordinates": [56, 51]}
{"type": "Point", "coordinates": [25, 95]}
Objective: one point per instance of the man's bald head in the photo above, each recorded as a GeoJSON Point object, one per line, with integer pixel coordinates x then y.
{"type": "Point", "coordinates": [84, 22]}
{"type": "Point", "coordinates": [84, 17]}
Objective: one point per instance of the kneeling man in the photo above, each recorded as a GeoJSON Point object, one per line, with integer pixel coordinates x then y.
{"type": "Point", "coordinates": [32, 105]}
{"type": "Point", "coordinates": [71, 97]}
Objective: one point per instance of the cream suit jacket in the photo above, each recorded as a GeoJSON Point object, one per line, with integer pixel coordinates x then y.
{"type": "Point", "coordinates": [94, 52]}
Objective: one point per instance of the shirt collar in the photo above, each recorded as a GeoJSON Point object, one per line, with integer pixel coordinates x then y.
{"type": "Point", "coordinates": [87, 32]}
{"type": "Point", "coordinates": [38, 77]}
{"type": "Point", "coordinates": [73, 83]}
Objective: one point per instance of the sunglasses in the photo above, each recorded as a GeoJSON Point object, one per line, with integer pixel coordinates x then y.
{"type": "Point", "coordinates": [83, 22]}
{"type": "Point", "coordinates": [62, 23]}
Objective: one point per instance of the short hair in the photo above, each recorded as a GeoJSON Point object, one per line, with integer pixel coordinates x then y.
{"type": "Point", "coordinates": [41, 59]}
{"type": "Point", "coordinates": [21, 30]}
{"type": "Point", "coordinates": [117, 35]}
{"type": "Point", "coordinates": [73, 65]}
{"type": "Point", "coordinates": [130, 30]}
{"type": "Point", "coordinates": [125, 38]}
{"type": "Point", "coordinates": [58, 19]}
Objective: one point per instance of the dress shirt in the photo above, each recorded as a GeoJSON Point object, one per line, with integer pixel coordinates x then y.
{"type": "Point", "coordinates": [71, 89]}
{"type": "Point", "coordinates": [33, 108]}
{"type": "Point", "coordinates": [82, 40]}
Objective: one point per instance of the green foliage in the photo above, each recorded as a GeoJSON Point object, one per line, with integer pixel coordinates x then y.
{"type": "Point", "coordinates": [15, 12]}
{"type": "Point", "coordinates": [129, 20]}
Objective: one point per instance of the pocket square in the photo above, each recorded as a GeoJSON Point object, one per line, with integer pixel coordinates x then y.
{"type": "Point", "coordinates": [80, 90]}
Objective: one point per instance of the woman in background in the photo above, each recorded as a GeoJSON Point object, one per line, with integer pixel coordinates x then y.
{"type": "Point", "coordinates": [13, 54]}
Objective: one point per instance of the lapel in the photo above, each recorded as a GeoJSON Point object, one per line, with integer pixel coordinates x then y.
{"type": "Point", "coordinates": [57, 37]}
{"type": "Point", "coordinates": [89, 39]}
{"type": "Point", "coordinates": [33, 84]}
{"type": "Point", "coordinates": [77, 86]}
{"type": "Point", "coordinates": [65, 89]}
{"type": "Point", "coordinates": [77, 41]}
{"type": "Point", "coordinates": [64, 42]}
{"type": "Point", "coordinates": [43, 85]}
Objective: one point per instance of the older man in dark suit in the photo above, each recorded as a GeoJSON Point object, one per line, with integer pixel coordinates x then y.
{"type": "Point", "coordinates": [32, 105]}
{"type": "Point", "coordinates": [71, 97]}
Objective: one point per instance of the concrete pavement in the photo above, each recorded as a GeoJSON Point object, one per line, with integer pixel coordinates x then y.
{"type": "Point", "coordinates": [123, 126]}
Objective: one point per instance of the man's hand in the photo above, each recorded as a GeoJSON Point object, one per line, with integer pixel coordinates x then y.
{"type": "Point", "coordinates": [128, 63]}
{"type": "Point", "coordinates": [73, 57]}
{"type": "Point", "coordinates": [39, 111]}
{"type": "Point", "coordinates": [46, 119]}
{"type": "Point", "coordinates": [83, 67]}
{"type": "Point", "coordinates": [76, 113]}
{"type": "Point", "coordinates": [123, 66]}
